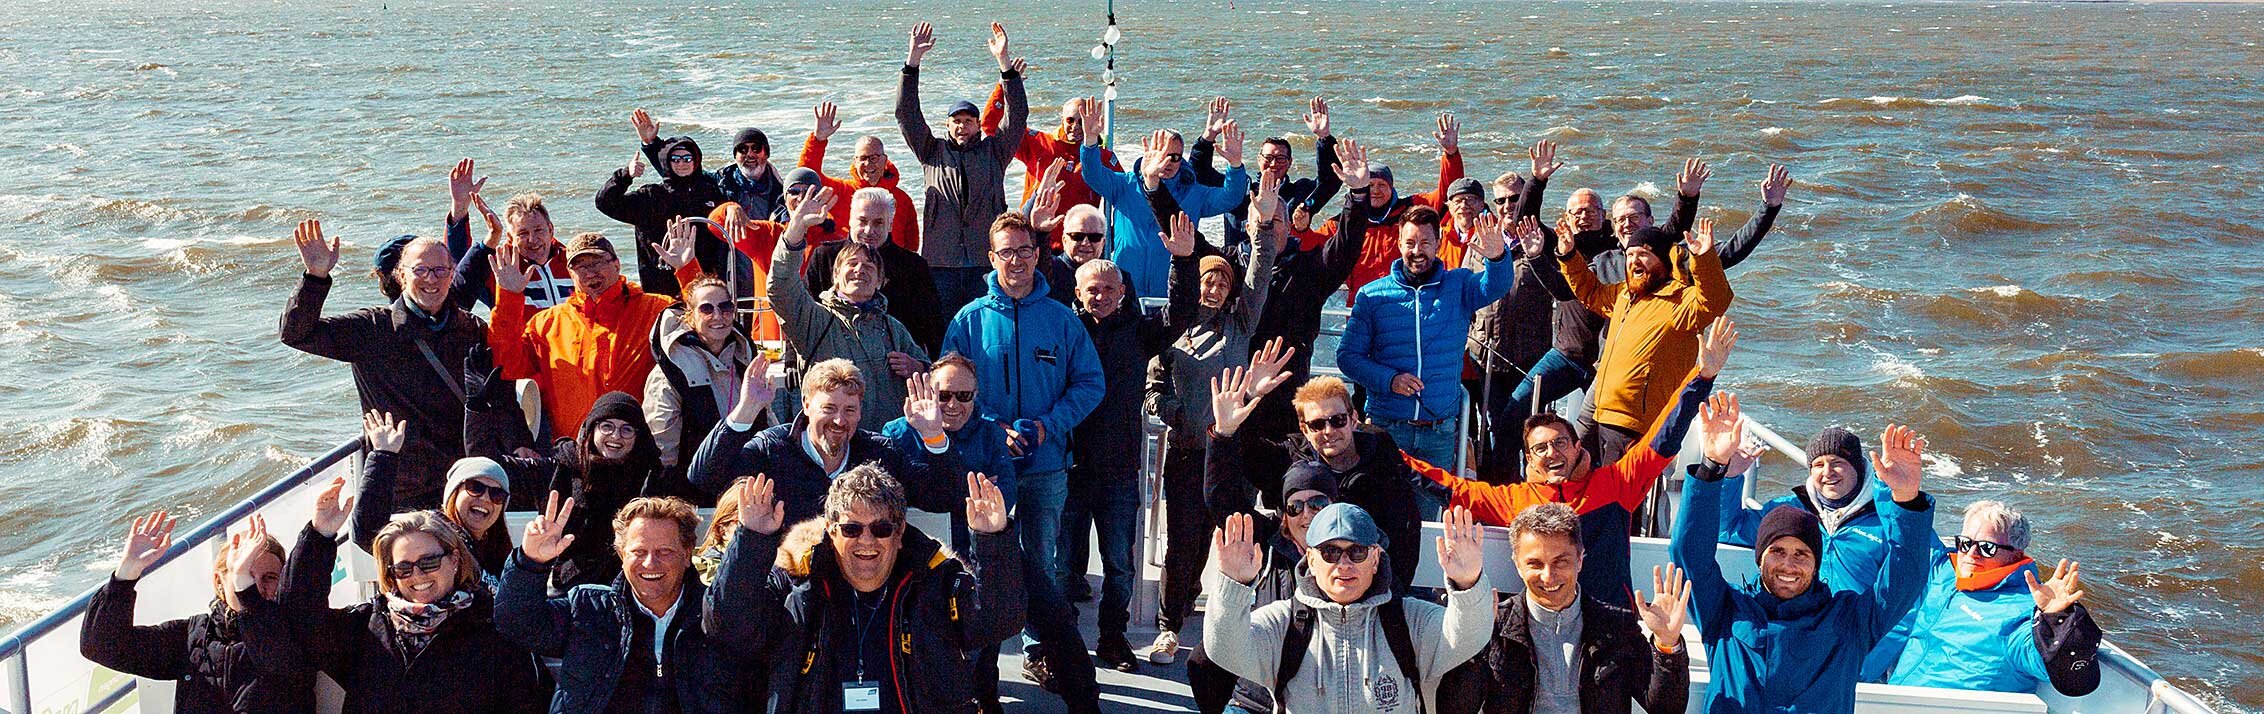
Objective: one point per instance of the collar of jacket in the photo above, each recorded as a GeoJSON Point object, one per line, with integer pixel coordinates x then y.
{"type": "Point", "coordinates": [998, 298]}
{"type": "Point", "coordinates": [1515, 625]}
{"type": "Point", "coordinates": [888, 178]}
{"type": "Point", "coordinates": [477, 614]}
{"type": "Point", "coordinates": [1399, 273]}
{"type": "Point", "coordinates": [404, 314]}
{"type": "Point", "coordinates": [1807, 604]}
{"type": "Point", "coordinates": [919, 553]}
{"type": "Point", "coordinates": [689, 601]}
{"type": "Point", "coordinates": [606, 301]}
{"type": "Point", "coordinates": [1863, 506]}
{"type": "Point", "coordinates": [1997, 578]}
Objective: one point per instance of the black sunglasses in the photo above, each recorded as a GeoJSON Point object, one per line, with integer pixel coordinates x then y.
{"type": "Point", "coordinates": [1294, 509]}
{"type": "Point", "coordinates": [851, 530]}
{"type": "Point", "coordinates": [1082, 237]}
{"type": "Point", "coordinates": [1332, 421]}
{"type": "Point", "coordinates": [1983, 548]}
{"type": "Point", "coordinates": [681, 159]}
{"type": "Point", "coordinates": [946, 395]}
{"type": "Point", "coordinates": [1337, 555]}
{"type": "Point", "coordinates": [493, 494]}
{"type": "Point", "coordinates": [427, 564]}
{"type": "Point", "coordinates": [714, 308]}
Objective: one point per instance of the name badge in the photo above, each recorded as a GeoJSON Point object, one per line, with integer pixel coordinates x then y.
{"type": "Point", "coordinates": [860, 696]}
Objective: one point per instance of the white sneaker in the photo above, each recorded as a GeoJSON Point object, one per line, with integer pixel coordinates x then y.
{"type": "Point", "coordinates": [1166, 648]}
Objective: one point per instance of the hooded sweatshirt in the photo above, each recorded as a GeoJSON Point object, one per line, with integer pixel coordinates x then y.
{"type": "Point", "coordinates": [1855, 543]}
{"type": "Point", "coordinates": [650, 207]}
{"type": "Point", "coordinates": [590, 345]}
{"type": "Point", "coordinates": [904, 231]}
{"type": "Point", "coordinates": [1035, 363]}
{"type": "Point", "coordinates": [1348, 666]}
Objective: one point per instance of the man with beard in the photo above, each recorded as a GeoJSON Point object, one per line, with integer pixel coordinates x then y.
{"type": "Point", "coordinates": [593, 343]}
{"type": "Point", "coordinates": [965, 171]}
{"type": "Point", "coordinates": [869, 168]}
{"type": "Point", "coordinates": [1656, 319]}
{"type": "Point", "coordinates": [684, 191]}
{"type": "Point", "coordinates": [406, 356]}
{"type": "Point", "coordinates": [822, 443]}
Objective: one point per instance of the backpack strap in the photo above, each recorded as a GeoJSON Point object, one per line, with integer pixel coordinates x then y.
{"type": "Point", "coordinates": [1293, 645]}
{"type": "Point", "coordinates": [1402, 645]}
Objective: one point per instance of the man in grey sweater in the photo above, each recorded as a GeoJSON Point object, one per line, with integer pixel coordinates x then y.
{"type": "Point", "coordinates": [965, 171]}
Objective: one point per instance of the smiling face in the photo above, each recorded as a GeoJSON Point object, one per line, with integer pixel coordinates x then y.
{"type": "Point", "coordinates": [753, 159]}
{"type": "Point", "coordinates": [1978, 528]}
{"type": "Point", "coordinates": [833, 416]}
{"type": "Point", "coordinates": [426, 274]}
{"type": "Point", "coordinates": [1831, 478]}
{"type": "Point", "coordinates": [1629, 214]}
{"type": "Point", "coordinates": [1343, 581]}
{"type": "Point", "coordinates": [1554, 455]}
{"type": "Point", "coordinates": [474, 513]}
{"type": "Point", "coordinates": [595, 274]}
{"type": "Point", "coordinates": [682, 163]}
{"type": "Point", "coordinates": [654, 558]}
{"type": "Point", "coordinates": [1274, 158]}
{"type": "Point", "coordinates": [1100, 291]}
{"type": "Point", "coordinates": [965, 126]}
{"type": "Point", "coordinates": [420, 586]}
{"type": "Point", "coordinates": [866, 560]}
{"type": "Point", "coordinates": [533, 234]}
{"type": "Point", "coordinates": [1330, 441]}
{"type": "Point", "coordinates": [612, 439]}
{"type": "Point", "coordinates": [1215, 286]}
{"type": "Point", "coordinates": [953, 378]}
{"type": "Point", "coordinates": [1072, 128]}
{"type": "Point", "coordinates": [1015, 259]}
{"type": "Point", "coordinates": [871, 160]}
{"type": "Point", "coordinates": [1465, 209]}
{"type": "Point", "coordinates": [1788, 567]}
{"type": "Point", "coordinates": [1295, 526]}
{"type": "Point", "coordinates": [1646, 271]}
{"type": "Point", "coordinates": [267, 577]}
{"type": "Point", "coordinates": [856, 277]}
{"type": "Point", "coordinates": [869, 220]}
{"type": "Point", "coordinates": [1586, 209]}
{"type": "Point", "coordinates": [712, 312]}
{"type": "Point", "coordinates": [1550, 567]}
{"type": "Point", "coordinates": [1419, 246]}
{"type": "Point", "coordinates": [1085, 231]}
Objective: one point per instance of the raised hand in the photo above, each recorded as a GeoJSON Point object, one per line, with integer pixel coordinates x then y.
{"type": "Point", "coordinates": [1231, 400]}
{"type": "Point", "coordinates": [1266, 368]}
{"type": "Point", "coordinates": [1449, 134]}
{"type": "Point", "coordinates": [510, 277]}
{"type": "Point", "coordinates": [319, 255]}
{"type": "Point", "coordinates": [1180, 240]}
{"type": "Point", "coordinates": [755, 391]}
{"type": "Point", "coordinates": [1230, 143]}
{"type": "Point", "coordinates": [1900, 459]}
{"type": "Point", "coordinates": [998, 46]}
{"type": "Point", "coordinates": [828, 121]}
{"type": "Point", "coordinates": [1667, 608]}
{"type": "Point", "coordinates": [1217, 112]}
{"type": "Point", "coordinates": [1462, 556]}
{"type": "Point", "coordinates": [384, 432]}
{"type": "Point", "coordinates": [921, 410]}
{"type": "Point", "coordinates": [1701, 237]}
{"type": "Point", "coordinates": [1544, 160]}
{"type": "Point", "coordinates": [810, 214]}
{"type": "Point", "coordinates": [1153, 149]}
{"type": "Point", "coordinates": [734, 223]}
{"type": "Point", "coordinates": [1317, 118]}
{"type": "Point", "coordinates": [1486, 238]}
{"type": "Point", "coordinates": [461, 186]}
{"type": "Point", "coordinates": [1693, 177]}
{"type": "Point", "coordinates": [243, 548]}
{"type": "Point", "coordinates": [1714, 349]}
{"type": "Point", "coordinates": [1089, 117]}
{"type": "Point", "coordinates": [636, 164]}
{"type": "Point", "coordinates": [1266, 204]}
{"type": "Point", "coordinates": [331, 506]}
{"type": "Point", "coordinates": [494, 224]}
{"type": "Point", "coordinates": [923, 39]}
{"type": "Point", "coordinates": [2058, 593]}
{"type": "Point", "coordinates": [986, 506]}
{"type": "Point", "coordinates": [1239, 557]}
{"type": "Point", "coordinates": [1530, 239]}
{"type": "Point", "coordinates": [1721, 428]}
{"type": "Point", "coordinates": [1351, 164]}
{"type": "Point", "coordinates": [647, 130]}
{"type": "Point", "coordinates": [1045, 203]}
{"type": "Point", "coordinates": [546, 537]}
{"type": "Point", "coordinates": [1564, 233]}
{"type": "Point", "coordinates": [1774, 185]}
{"type": "Point", "coordinates": [759, 508]}
{"type": "Point", "coordinates": [146, 541]}
{"type": "Point", "coordinates": [677, 246]}
{"type": "Point", "coordinates": [1749, 453]}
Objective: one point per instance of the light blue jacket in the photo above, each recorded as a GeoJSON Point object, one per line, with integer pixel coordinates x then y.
{"type": "Point", "coordinates": [1034, 361]}
{"type": "Point", "coordinates": [1965, 640]}
{"type": "Point", "coordinates": [1401, 326]}
{"type": "Point", "coordinates": [1134, 233]}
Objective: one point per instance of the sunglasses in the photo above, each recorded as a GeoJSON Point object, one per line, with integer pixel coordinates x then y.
{"type": "Point", "coordinates": [1083, 237]}
{"type": "Point", "coordinates": [492, 494]}
{"type": "Point", "coordinates": [1983, 548]}
{"type": "Point", "coordinates": [1505, 200]}
{"type": "Point", "coordinates": [1294, 509]}
{"type": "Point", "coordinates": [427, 564]}
{"type": "Point", "coordinates": [946, 395]}
{"type": "Point", "coordinates": [681, 159]}
{"type": "Point", "coordinates": [1338, 555]}
{"type": "Point", "coordinates": [851, 530]}
{"type": "Point", "coordinates": [431, 272]}
{"type": "Point", "coordinates": [714, 308]}
{"type": "Point", "coordinates": [1332, 421]}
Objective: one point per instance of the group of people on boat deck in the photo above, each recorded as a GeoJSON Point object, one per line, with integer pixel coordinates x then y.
{"type": "Point", "coordinates": [992, 361]}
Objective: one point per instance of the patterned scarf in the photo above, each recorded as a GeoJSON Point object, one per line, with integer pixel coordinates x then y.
{"type": "Point", "coordinates": [415, 623]}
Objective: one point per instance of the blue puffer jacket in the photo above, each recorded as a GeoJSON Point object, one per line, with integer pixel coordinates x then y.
{"type": "Point", "coordinates": [1034, 361]}
{"type": "Point", "coordinates": [1804, 654]}
{"type": "Point", "coordinates": [1852, 552]}
{"type": "Point", "coordinates": [1401, 326]}
{"type": "Point", "coordinates": [1982, 640]}
{"type": "Point", "coordinates": [980, 445]}
{"type": "Point", "coordinates": [1139, 246]}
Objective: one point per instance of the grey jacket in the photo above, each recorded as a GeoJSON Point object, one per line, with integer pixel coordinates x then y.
{"type": "Point", "coordinates": [1210, 341]}
{"type": "Point", "coordinates": [820, 328]}
{"type": "Point", "coordinates": [1348, 667]}
{"type": "Point", "coordinates": [966, 183]}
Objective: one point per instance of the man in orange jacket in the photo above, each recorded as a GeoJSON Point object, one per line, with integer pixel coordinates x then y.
{"type": "Point", "coordinates": [593, 343]}
{"type": "Point", "coordinates": [1040, 149]}
{"type": "Point", "coordinates": [869, 167]}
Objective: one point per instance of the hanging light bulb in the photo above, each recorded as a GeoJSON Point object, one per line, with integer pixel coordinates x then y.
{"type": "Point", "coordinates": [1110, 94]}
{"type": "Point", "coordinates": [1100, 51]}
{"type": "Point", "coordinates": [1108, 76]}
{"type": "Point", "coordinates": [1113, 36]}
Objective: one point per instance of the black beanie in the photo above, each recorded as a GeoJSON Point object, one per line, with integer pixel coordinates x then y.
{"type": "Point", "coordinates": [1789, 521]}
{"type": "Point", "coordinates": [1309, 478]}
{"type": "Point", "coordinates": [1660, 242]}
{"type": "Point", "coordinates": [614, 405]}
{"type": "Point", "coordinates": [750, 136]}
{"type": "Point", "coordinates": [1835, 441]}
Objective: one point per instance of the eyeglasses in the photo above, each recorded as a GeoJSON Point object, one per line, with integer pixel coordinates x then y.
{"type": "Point", "coordinates": [1294, 509]}
{"type": "Point", "coordinates": [1332, 421]}
{"type": "Point", "coordinates": [681, 159]}
{"type": "Point", "coordinates": [1081, 237]}
{"type": "Point", "coordinates": [1337, 555]}
{"type": "Point", "coordinates": [881, 530]}
{"type": "Point", "coordinates": [714, 308]}
{"type": "Point", "coordinates": [1273, 159]}
{"type": "Point", "coordinates": [947, 395]}
{"type": "Point", "coordinates": [1551, 446]}
{"type": "Point", "coordinates": [432, 272]}
{"type": "Point", "coordinates": [1022, 253]}
{"type": "Point", "coordinates": [1983, 548]}
{"type": "Point", "coordinates": [492, 494]}
{"type": "Point", "coordinates": [427, 564]}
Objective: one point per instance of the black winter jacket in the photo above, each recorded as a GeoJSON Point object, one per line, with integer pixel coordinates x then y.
{"type": "Point", "coordinates": [591, 631]}
{"type": "Point", "coordinates": [1618, 665]}
{"type": "Point", "coordinates": [933, 481]}
{"type": "Point", "coordinates": [215, 668]}
{"type": "Point", "coordinates": [1110, 439]}
{"type": "Point", "coordinates": [651, 206]}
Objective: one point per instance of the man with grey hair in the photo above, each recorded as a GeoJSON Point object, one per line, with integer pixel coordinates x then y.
{"type": "Point", "coordinates": [869, 168]}
{"type": "Point", "coordinates": [855, 583]}
{"type": "Point", "coordinates": [905, 278]}
{"type": "Point", "coordinates": [1556, 652]}
{"type": "Point", "coordinates": [1104, 472]}
{"type": "Point", "coordinates": [408, 356]}
{"type": "Point", "coordinates": [1084, 238]}
{"type": "Point", "coordinates": [1985, 621]}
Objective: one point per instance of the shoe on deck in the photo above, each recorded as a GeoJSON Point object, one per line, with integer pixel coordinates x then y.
{"type": "Point", "coordinates": [1116, 654]}
{"type": "Point", "coordinates": [1166, 648]}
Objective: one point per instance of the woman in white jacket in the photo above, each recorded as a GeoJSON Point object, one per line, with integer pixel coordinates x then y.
{"type": "Point", "coordinates": [1353, 651]}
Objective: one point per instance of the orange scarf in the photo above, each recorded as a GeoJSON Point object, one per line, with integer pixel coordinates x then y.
{"type": "Point", "coordinates": [1989, 578]}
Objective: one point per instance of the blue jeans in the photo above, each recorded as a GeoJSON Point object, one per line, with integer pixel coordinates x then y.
{"type": "Point", "coordinates": [1553, 376]}
{"type": "Point", "coordinates": [1434, 443]}
{"type": "Point", "coordinates": [1110, 504]}
{"type": "Point", "coordinates": [1052, 630]}
{"type": "Point", "coordinates": [955, 287]}
{"type": "Point", "coordinates": [1037, 510]}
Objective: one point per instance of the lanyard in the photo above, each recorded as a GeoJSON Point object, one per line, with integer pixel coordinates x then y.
{"type": "Point", "coordinates": [864, 629]}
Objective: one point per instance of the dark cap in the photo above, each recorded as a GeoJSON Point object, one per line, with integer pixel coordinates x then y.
{"type": "Point", "coordinates": [1378, 171]}
{"type": "Point", "coordinates": [589, 244]}
{"type": "Point", "coordinates": [1302, 478]}
{"type": "Point", "coordinates": [389, 252]}
{"type": "Point", "coordinates": [802, 176]}
{"type": "Point", "coordinates": [963, 107]}
{"type": "Point", "coordinates": [1789, 521]}
{"type": "Point", "coordinates": [1465, 186]}
{"type": "Point", "coordinates": [750, 135]}
{"type": "Point", "coordinates": [1660, 243]}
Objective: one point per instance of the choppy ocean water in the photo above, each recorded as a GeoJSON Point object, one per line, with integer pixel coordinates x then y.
{"type": "Point", "coordinates": [2017, 227]}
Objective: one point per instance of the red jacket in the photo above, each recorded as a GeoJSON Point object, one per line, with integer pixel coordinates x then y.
{"type": "Point", "coordinates": [905, 231]}
{"type": "Point", "coordinates": [1381, 247]}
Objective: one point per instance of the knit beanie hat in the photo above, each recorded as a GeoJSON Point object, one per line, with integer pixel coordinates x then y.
{"type": "Point", "coordinates": [1211, 262]}
{"type": "Point", "coordinates": [1789, 521]}
{"type": "Point", "coordinates": [1661, 243]}
{"type": "Point", "coordinates": [1309, 479]}
{"type": "Point", "coordinates": [1835, 441]}
{"type": "Point", "coordinates": [466, 469]}
{"type": "Point", "coordinates": [750, 135]}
